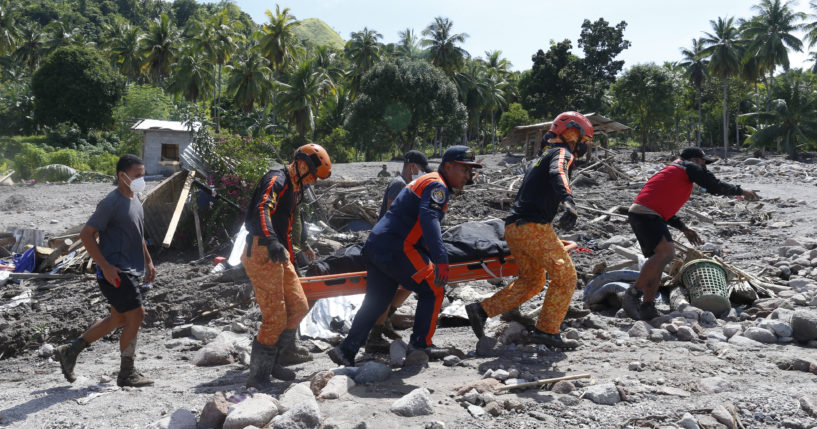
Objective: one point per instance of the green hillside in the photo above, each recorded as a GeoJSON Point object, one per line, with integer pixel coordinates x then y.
{"type": "Point", "coordinates": [317, 32]}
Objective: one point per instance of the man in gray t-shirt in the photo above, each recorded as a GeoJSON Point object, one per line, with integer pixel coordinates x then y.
{"type": "Point", "coordinates": [122, 258]}
{"type": "Point", "coordinates": [415, 164]}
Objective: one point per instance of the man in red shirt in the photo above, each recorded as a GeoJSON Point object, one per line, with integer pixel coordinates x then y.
{"type": "Point", "coordinates": [655, 207]}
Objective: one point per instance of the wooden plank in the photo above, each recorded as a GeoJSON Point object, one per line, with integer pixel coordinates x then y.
{"type": "Point", "coordinates": [177, 213]}
{"type": "Point", "coordinates": [195, 209]}
{"type": "Point", "coordinates": [39, 276]}
{"type": "Point", "coordinates": [6, 175]}
{"type": "Point", "coordinates": [58, 252]}
{"type": "Point", "coordinates": [541, 382]}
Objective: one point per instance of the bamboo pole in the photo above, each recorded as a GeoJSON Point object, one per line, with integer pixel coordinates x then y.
{"type": "Point", "coordinates": [542, 382]}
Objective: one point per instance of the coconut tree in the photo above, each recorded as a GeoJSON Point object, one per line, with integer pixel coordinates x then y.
{"type": "Point", "coordinates": [59, 34]}
{"type": "Point", "coordinates": [8, 27]}
{"type": "Point", "coordinates": [408, 46]}
{"type": "Point", "coordinates": [442, 47]}
{"type": "Point", "coordinates": [792, 116]}
{"type": "Point", "coordinates": [123, 44]}
{"type": "Point", "coordinates": [363, 50]}
{"type": "Point", "coordinates": [192, 76]}
{"type": "Point", "coordinates": [495, 62]}
{"type": "Point", "coordinates": [695, 64]}
{"type": "Point", "coordinates": [722, 48]}
{"type": "Point", "coordinates": [30, 46]}
{"type": "Point", "coordinates": [302, 93]}
{"type": "Point", "coordinates": [160, 47]}
{"type": "Point", "coordinates": [494, 99]}
{"type": "Point", "coordinates": [250, 79]}
{"type": "Point", "coordinates": [278, 40]}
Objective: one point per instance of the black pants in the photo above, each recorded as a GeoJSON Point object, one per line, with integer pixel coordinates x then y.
{"type": "Point", "coordinates": [648, 230]}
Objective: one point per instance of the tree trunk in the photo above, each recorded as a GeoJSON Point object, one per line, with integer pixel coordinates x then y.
{"type": "Point", "coordinates": [737, 126]}
{"type": "Point", "coordinates": [700, 116]}
{"type": "Point", "coordinates": [493, 133]}
{"type": "Point", "coordinates": [725, 123]}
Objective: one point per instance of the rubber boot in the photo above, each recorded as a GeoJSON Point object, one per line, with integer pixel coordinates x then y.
{"type": "Point", "coordinates": [262, 361]}
{"type": "Point", "coordinates": [647, 311]}
{"type": "Point", "coordinates": [376, 343]}
{"type": "Point", "coordinates": [477, 316]}
{"type": "Point", "coordinates": [551, 340]}
{"type": "Point", "coordinates": [281, 372]}
{"type": "Point", "coordinates": [66, 355]}
{"type": "Point", "coordinates": [290, 352]}
{"type": "Point", "coordinates": [631, 301]}
{"type": "Point", "coordinates": [340, 356]}
{"type": "Point", "coordinates": [129, 376]}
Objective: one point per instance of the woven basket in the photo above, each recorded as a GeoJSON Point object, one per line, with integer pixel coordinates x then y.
{"type": "Point", "coordinates": [705, 280]}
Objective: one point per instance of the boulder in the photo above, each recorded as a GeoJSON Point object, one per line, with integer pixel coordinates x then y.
{"type": "Point", "coordinates": [640, 329]}
{"type": "Point", "coordinates": [204, 333]}
{"type": "Point", "coordinates": [415, 403]}
{"type": "Point", "coordinates": [809, 405]}
{"type": "Point", "coordinates": [804, 325]}
{"type": "Point", "coordinates": [740, 340]}
{"type": "Point", "coordinates": [731, 329]}
{"type": "Point", "coordinates": [305, 415]}
{"type": "Point", "coordinates": [688, 422]}
{"type": "Point", "coordinates": [723, 416]}
{"type": "Point", "coordinates": [476, 411]}
{"type": "Point", "coordinates": [752, 161]}
{"type": "Point", "coordinates": [180, 419]}
{"type": "Point", "coordinates": [760, 335]}
{"type": "Point", "coordinates": [319, 380]}
{"type": "Point", "coordinates": [618, 240]}
{"type": "Point", "coordinates": [714, 385]}
{"type": "Point", "coordinates": [780, 328]}
{"type": "Point", "coordinates": [604, 394]}
{"type": "Point", "coordinates": [214, 411]}
{"type": "Point", "coordinates": [296, 394]}
{"type": "Point", "coordinates": [686, 333]}
{"type": "Point", "coordinates": [397, 353]}
{"type": "Point", "coordinates": [217, 352]}
{"type": "Point", "coordinates": [257, 410]}
{"type": "Point", "coordinates": [337, 386]}
{"type": "Point", "coordinates": [372, 372]}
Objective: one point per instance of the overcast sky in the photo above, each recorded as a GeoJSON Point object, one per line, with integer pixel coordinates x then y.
{"type": "Point", "coordinates": [657, 29]}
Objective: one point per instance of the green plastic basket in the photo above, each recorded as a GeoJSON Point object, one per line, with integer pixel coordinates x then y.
{"type": "Point", "coordinates": [705, 280]}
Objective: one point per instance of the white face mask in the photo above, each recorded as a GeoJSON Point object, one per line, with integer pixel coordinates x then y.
{"type": "Point", "coordinates": [136, 186]}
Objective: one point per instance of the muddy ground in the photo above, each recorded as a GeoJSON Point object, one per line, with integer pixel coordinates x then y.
{"type": "Point", "coordinates": [665, 384]}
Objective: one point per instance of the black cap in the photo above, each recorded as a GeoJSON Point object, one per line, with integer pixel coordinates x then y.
{"type": "Point", "coordinates": [696, 152]}
{"type": "Point", "coordinates": [416, 157]}
{"type": "Point", "coordinates": [460, 154]}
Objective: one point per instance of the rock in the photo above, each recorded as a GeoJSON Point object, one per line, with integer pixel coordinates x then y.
{"type": "Point", "coordinates": [604, 394]}
{"type": "Point", "coordinates": [809, 405]}
{"type": "Point", "coordinates": [658, 335]}
{"type": "Point", "coordinates": [204, 333]}
{"type": "Point", "coordinates": [740, 340]}
{"type": "Point", "coordinates": [319, 381]}
{"type": "Point", "coordinates": [214, 411]}
{"type": "Point", "coordinates": [714, 385]}
{"type": "Point", "coordinates": [305, 415]}
{"type": "Point", "coordinates": [487, 346]}
{"type": "Point", "coordinates": [217, 352]}
{"type": "Point", "coordinates": [635, 366]}
{"type": "Point", "coordinates": [708, 319]}
{"type": "Point", "coordinates": [416, 403]}
{"type": "Point", "coordinates": [257, 410]}
{"type": "Point", "coordinates": [716, 336]}
{"type": "Point", "coordinates": [182, 331]}
{"type": "Point", "coordinates": [802, 285]}
{"type": "Point", "coordinates": [686, 333]}
{"type": "Point", "coordinates": [238, 327]}
{"type": "Point", "coordinates": [618, 240]}
{"type": "Point", "coordinates": [183, 343]}
{"type": "Point", "coordinates": [451, 360]}
{"type": "Point", "coordinates": [709, 422]}
{"type": "Point", "coordinates": [780, 328]}
{"type": "Point", "coordinates": [180, 419]}
{"type": "Point", "coordinates": [500, 374]}
{"type": "Point", "coordinates": [513, 332]}
{"type": "Point", "coordinates": [296, 394]}
{"type": "Point", "coordinates": [723, 416]}
{"type": "Point", "coordinates": [434, 425]}
{"type": "Point", "coordinates": [515, 381]}
{"type": "Point", "coordinates": [752, 161]}
{"type": "Point", "coordinates": [472, 397]}
{"type": "Point", "coordinates": [337, 386]}
{"type": "Point", "coordinates": [372, 372]}
{"type": "Point", "coordinates": [397, 353]}
{"type": "Point", "coordinates": [493, 408]}
{"type": "Point", "coordinates": [45, 350]}
{"type": "Point", "coordinates": [476, 411]}
{"type": "Point", "coordinates": [564, 387]}
{"type": "Point", "coordinates": [804, 325]}
{"type": "Point", "coordinates": [795, 364]}
{"type": "Point", "coordinates": [760, 335]}
{"type": "Point", "coordinates": [770, 304]}
{"type": "Point", "coordinates": [812, 368]}
{"type": "Point", "coordinates": [640, 329]}
{"type": "Point", "coordinates": [730, 329]}
{"type": "Point", "coordinates": [688, 422]}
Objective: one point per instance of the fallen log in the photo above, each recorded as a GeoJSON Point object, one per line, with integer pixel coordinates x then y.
{"type": "Point", "coordinates": [538, 383]}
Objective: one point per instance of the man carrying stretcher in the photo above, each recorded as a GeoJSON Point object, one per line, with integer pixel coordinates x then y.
{"type": "Point", "coordinates": [406, 248]}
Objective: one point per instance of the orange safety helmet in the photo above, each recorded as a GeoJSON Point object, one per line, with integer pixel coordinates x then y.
{"type": "Point", "coordinates": [573, 120]}
{"type": "Point", "coordinates": [316, 158]}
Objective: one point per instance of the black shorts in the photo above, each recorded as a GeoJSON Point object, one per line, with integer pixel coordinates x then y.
{"type": "Point", "coordinates": [648, 230]}
{"type": "Point", "coordinates": [124, 298]}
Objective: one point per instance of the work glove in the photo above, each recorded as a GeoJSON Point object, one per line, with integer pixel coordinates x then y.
{"type": "Point", "coordinates": [441, 274]}
{"type": "Point", "coordinates": [277, 252]}
{"type": "Point", "coordinates": [693, 237]}
{"type": "Point", "coordinates": [569, 217]}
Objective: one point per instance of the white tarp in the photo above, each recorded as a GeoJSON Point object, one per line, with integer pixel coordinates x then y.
{"type": "Point", "coordinates": [342, 309]}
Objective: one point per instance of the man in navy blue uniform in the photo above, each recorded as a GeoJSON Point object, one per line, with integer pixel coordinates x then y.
{"type": "Point", "coordinates": [406, 248]}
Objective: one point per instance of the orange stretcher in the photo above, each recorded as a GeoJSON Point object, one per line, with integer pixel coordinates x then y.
{"type": "Point", "coordinates": [355, 283]}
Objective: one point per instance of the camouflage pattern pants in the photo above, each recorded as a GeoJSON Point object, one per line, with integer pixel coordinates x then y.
{"type": "Point", "coordinates": [278, 292]}
{"type": "Point", "coordinates": [537, 252]}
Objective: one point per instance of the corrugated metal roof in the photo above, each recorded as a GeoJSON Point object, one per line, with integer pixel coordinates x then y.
{"type": "Point", "coordinates": [157, 125]}
{"type": "Point", "coordinates": [601, 124]}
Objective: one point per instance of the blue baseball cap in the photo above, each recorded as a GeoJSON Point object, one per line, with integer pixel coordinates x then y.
{"type": "Point", "coordinates": [460, 154]}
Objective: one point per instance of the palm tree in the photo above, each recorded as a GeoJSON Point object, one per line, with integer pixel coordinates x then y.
{"type": "Point", "coordinates": [302, 94]}
{"type": "Point", "coordinates": [793, 116]}
{"type": "Point", "coordinates": [408, 46]}
{"type": "Point", "coordinates": [192, 76]}
{"type": "Point", "coordinates": [442, 45]}
{"type": "Point", "coordinates": [494, 99]}
{"type": "Point", "coordinates": [250, 80]}
{"type": "Point", "coordinates": [363, 49]}
{"type": "Point", "coordinates": [30, 46]}
{"type": "Point", "coordinates": [278, 41]}
{"type": "Point", "coordinates": [695, 64]}
{"type": "Point", "coordinates": [8, 27]}
{"type": "Point", "coordinates": [722, 48]}
{"type": "Point", "coordinates": [495, 62]}
{"type": "Point", "coordinates": [123, 43]}
{"type": "Point", "coordinates": [160, 47]}
{"type": "Point", "coordinates": [58, 35]}
{"type": "Point", "coordinates": [769, 34]}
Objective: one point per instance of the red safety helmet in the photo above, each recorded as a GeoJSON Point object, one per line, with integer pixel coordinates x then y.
{"type": "Point", "coordinates": [316, 158]}
{"type": "Point", "coordinates": [576, 120]}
